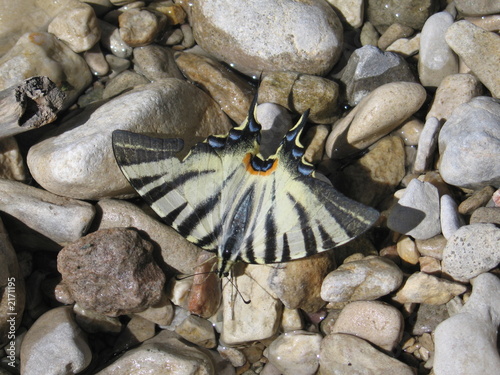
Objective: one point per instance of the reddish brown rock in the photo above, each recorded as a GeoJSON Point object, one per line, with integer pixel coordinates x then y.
{"type": "Point", "coordinates": [112, 272]}
{"type": "Point", "coordinates": [205, 295]}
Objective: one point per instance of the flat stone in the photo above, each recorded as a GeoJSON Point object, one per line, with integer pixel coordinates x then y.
{"type": "Point", "coordinates": [367, 279]}
{"type": "Point", "coordinates": [383, 110]}
{"type": "Point", "coordinates": [197, 330]}
{"type": "Point", "coordinates": [55, 332]}
{"type": "Point", "coordinates": [78, 161]}
{"type": "Point", "coordinates": [42, 54]}
{"type": "Point", "coordinates": [340, 354]}
{"type": "Point", "coordinates": [111, 271]}
{"type": "Point", "coordinates": [479, 7]}
{"type": "Point", "coordinates": [453, 91]}
{"type": "Point", "coordinates": [59, 219]}
{"type": "Point", "coordinates": [479, 50]}
{"type": "Point", "coordinates": [233, 93]}
{"type": "Point", "coordinates": [477, 199]}
{"type": "Point", "coordinates": [277, 35]}
{"type": "Point", "coordinates": [427, 145]}
{"type": "Point", "coordinates": [436, 59]}
{"type": "Point", "coordinates": [369, 68]}
{"type": "Point", "coordinates": [423, 288]}
{"type": "Point", "coordinates": [377, 322]}
{"type": "Point", "coordinates": [295, 352]}
{"type": "Point", "coordinates": [417, 213]}
{"type": "Point", "coordinates": [466, 343]}
{"type": "Point", "coordinates": [486, 215]}
{"type": "Point", "coordinates": [122, 82]}
{"type": "Point", "coordinates": [469, 144]}
{"type": "Point", "coordinates": [471, 250]}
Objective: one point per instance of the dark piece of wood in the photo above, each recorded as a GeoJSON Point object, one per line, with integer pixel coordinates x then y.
{"type": "Point", "coordinates": [33, 103]}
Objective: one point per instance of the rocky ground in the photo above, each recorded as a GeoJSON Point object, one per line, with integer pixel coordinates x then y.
{"type": "Point", "coordinates": [405, 118]}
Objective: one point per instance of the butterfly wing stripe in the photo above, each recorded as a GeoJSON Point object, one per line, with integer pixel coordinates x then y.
{"type": "Point", "coordinates": [304, 221]}
{"type": "Point", "coordinates": [285, 252]}
{"type": "Point", "coordinates": [270, 242]}
{"type": "Point", "coordinates": [172, 215]}
{"type": "Point", "coordinates": [200, 212]}
{"type": "Point", "coordinates": [326, 240]}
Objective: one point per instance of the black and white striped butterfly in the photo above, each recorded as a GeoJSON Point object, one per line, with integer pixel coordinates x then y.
{"type": "Point", "coordinates": [227, 198]}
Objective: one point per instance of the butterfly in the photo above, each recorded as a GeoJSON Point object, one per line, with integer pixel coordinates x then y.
{"type": "Point", "coordinates": [225, 197]}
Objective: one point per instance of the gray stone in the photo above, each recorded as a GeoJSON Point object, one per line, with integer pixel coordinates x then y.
{"type": "Point", "coordinates": [466, 343]}
{"type": "Point", "coordinates": [427, 144]}
{"type": "Point", "coordinates": [368, 68]}
{"type": "Point", "coordinates": [477, 7]}
{"type": "Point", "coordinates": [428, 317]}
{"type": "Point", "coordinates": [123, 82]}
{"type": "Point", "coordinates": [156, 62]}
{"type": "Point", "coordinates": [486, 215]}
{"type": "Point", "coordinates": [450, 218]}
{"type": "Point", "coordinates": [471, 250]}
{"type": "Point", "coordinates": [78, 160]}
{"type": "Point", "coordinates": [55, 344]}
{"type": "Point", "coordinates": [436, 59]}
{"type": "Point", "coordinates": [277, 35]}
{"type": "Point", "coordinates": [417, 212]}
{"type": "Point", "coordinates": [469, 144]}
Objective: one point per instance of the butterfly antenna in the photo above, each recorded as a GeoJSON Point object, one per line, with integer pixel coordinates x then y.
{"type": "Point", "coordinates": [245, 301]}
{"type": "Point", "coordinates": [177, 277]}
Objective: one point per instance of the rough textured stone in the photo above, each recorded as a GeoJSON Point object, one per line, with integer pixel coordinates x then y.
{"type": "Point", "coordinates": [423, 288]}
{"type": "Point", "coordinates": [417, 213]}
{"type": "Point", "coordinates": [295, 353]}
{"type": "Point", "coordinates": [469, 144]}
{"type": "Point", "coordinates": [466, 343]}
{"type": "Point", "coordinates": [303, 36]}
{"type": "Point", "coordinates": [44, 214]}
{"type": "Point", "coordinates": [486, 215]}
{"type": "Point", "coordinates": [349, 11]}
{"type": "Point", "coordinates": [42, 54]}
{"type": "Point", "coordinates": [347, 354]}
{"type": "Point", "coordinates": [11, 160]}
{"type": "Point", "coordinates": [479, 49]}
{"type": "Point", "coordinates": [477, 199]}
{"type": "Point", "coordinates": [55, 344]}
{"type": "Point", "coordinates": [478, 7]}
{"type": "Point", "coordinates": [78, 161]}
{"type": "Point", "coordinates": [377, 322]}
{"type": "Point", "coordinates": [428, 317]}
{"type": "Point", "coordinates": [369, 68]}
{"type": "Point", "coordinates": [383, 110]}
{"type": "Point", "coordinates": [198, 331]}
{"type": "Point", "coordinates": [471, 250]}
{"type": "Point", "coordinates": [112, 272]}
{"type": "Point", "coordinates": [366, 279]}
{"type": "Point", "coordinates": [140, 27]}
{"type": "Point", "coordinates": [436, 59]}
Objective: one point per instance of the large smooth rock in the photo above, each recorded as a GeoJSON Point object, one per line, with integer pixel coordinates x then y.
{"type": "Point", "coordinates": [263, 35]}
{"type": "Point", "coordinates": [78, 160]}
{"type": "Point", "coordinates": [469, 144]}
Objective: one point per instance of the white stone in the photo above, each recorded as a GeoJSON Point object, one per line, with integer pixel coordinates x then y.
{"type": "Point", "coordinates": [450, 218]}
{"type": "Point", "coordinates": [466, 343]}
{"type": "Point", "coordinates": [427, 145]}
{"type": "Point", "coordinates": [79, 161]}
{"type": "Point", "coordinates": [295, 353]}
{"type": "Point", "coordinates": [54, 344]}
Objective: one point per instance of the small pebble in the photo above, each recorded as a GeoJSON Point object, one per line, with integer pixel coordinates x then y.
{"type": "Point", "coordinates": [407, 250]}
{"type": "Point", "coordinates": [406, 47]}
{"type": "Point", "coordinates": [486, 215]}
{"type": "Point", "coordinates": [450, 218]}
{"type": "Point", "coordinates": [427, 145]}
{"type": "Point", "coordinates": [478, 199]}
{"type": "Point", "coordinates": [197, 330]}
{"type": "Point", "coordinates": [112, 40]}
{"type": "Point", "coordinates": [430, 265]}
{"type": "Point", "coordinates": [393, 33]}
{"type": "Point", "coordinates": [156, 62]}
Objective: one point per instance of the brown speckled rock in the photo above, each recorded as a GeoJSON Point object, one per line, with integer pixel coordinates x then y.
{"type": "Point", "coordinates": [112, 272]}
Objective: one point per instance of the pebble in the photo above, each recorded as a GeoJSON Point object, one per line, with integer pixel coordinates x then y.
{"type": "Point", "coordinates": [112, 40]}
{"type": "Point", "coordinates": [394, 32]}
{"type": "Point", "coordinates": [340, 354]}
{"type": "Point", "coordinates": [78, 162]}
{"type": "Point", "coordinates": [205, 296]}
{"type": "Point", "coordinates": [380, 112]}
{"type": "Point", "coordinates": [489, 23]}
{"type": "Point", "coordinates": [454, 90]}
{"type": "Point", "coordinates": [11, 278]}
{"type": "Point", "coordinates": [122, 82]}
{"type": "Point", "coordinates": [43, 54]}
{"type": "Point", "coordinates": [428, 317]}
{"type": "Point", "coordinates": [174, 12]}
{"type": "Point", "coordinates": [477, 199]}
{"type": "Point", "coordinates": [479, 50]}
{"type": "Point", "coordinates": [349, 11]}
{"type": "Point", "coordinates": [427, 145]}
{"type": "Point", "coordinates": [244, 322]}
{"type": "Point", "coordinates": [480, 7]}
{"type": "Point", "coordinates": [423, 288]}
{"type": "Point", "coordinates": [93, 322]}
{"type": "Point", "coordinates": [476, 325]}
{"type": "Point", "coordinates": [412, 13]}
{"type": "Point", "coordinates": [116, 64]}
{"type": "Point", "coordinates": [277, 35]}
{"type": "Point", "coordinates": [367, 279]}
{"type": "Point", "coordinates": [295, 353]}
{"type": "Point", "coordinates": [197, 330]}
{"type": "Point", "coordinates": [161, 313]}
{"type": "Point", "coordinates": [406, 47]}
{"type": "Point", "coordinates": [136, 331]}
{"type": "Point", "coordinates": [432, 247]}
{"type": "Point", "coordinates": [156, 62]}
{"type": "Point", "coordinates": [233, 355]}
{"type": "Point", "coordinates": [11, 160]}
{"type": "Point", "coordinates": [233, 93]}
{"type": "Point", "coordinates": [95, 272]}
{"type": "Point", "coordinates": [77, 26]}
{"type": "Point", "coordinates": [369, 68]}
{"type": "Point", "coordinates": [368, 35]}
{"type": "Point", "coordinates": [47, 216]}
{"type": "Point", "coordinates": [96, 61]}
{"type": "Point", "coordinates": [450, 218]}
{"type": "Point", "coordinates": [55, 332]}
{"type": "Point", "coordinates": [469, 144]}
{"type": "Point", "coordinates": [299, 92]}
{"type": "Point", "coordinates": [140, 27]}
{"type": "Point", "coordinates": [410, 131]}
{"type": "Point", "coordinates": [374, 321]}
{"type": "Point", "coordinates": [315, 140]}
{"type": "Point", "coordinates": [164, 351]}
{"type": "Point", "coordinates": [436, 59]}
{"type": "Point", "coordinates": [291, 320]}
{"type": "Point", "coordinates": [407, 250]}
{"type": "Point", "coordinates": [417, 213]}
{"type": "Point", "coordinates": [486, 215]}
{"type": "Point", "coordinates": [298, 284]}
{"type": "Point", "coordinates": [471, 250]}
{"type": "Point", "coordinates": [430, 265]}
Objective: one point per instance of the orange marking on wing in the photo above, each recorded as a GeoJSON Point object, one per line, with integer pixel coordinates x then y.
{"type": "Point", "coordinates": [247, 159]}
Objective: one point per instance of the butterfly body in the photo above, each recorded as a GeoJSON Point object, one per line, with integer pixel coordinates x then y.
{"type": "Point", "coordinates": [225, 197]}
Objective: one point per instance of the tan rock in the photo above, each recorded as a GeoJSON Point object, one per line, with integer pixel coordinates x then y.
{"type": "Point", "coordinates": [477, 199]}
{"type": "Point", "coordinates": [349, 11]}
{"type": "Point", "coordinates": [407, 250]}
{"type": "Point", "coordinates": [410, 131]}
{"type": "Point", "coordinates": [11, 161]}
{"type": "Point", "coordinates": [197, 330]}
{"type": "Point", "coordinates": [140, 27]}
{"type": "Point", "coordinates": [406, 47]}
{"type": "Point", "coordinates": [160, 313]}
{"type": "Point", "coordinates": [432, 247]}
{"type": "Point", "coordinates": [393, 33]}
